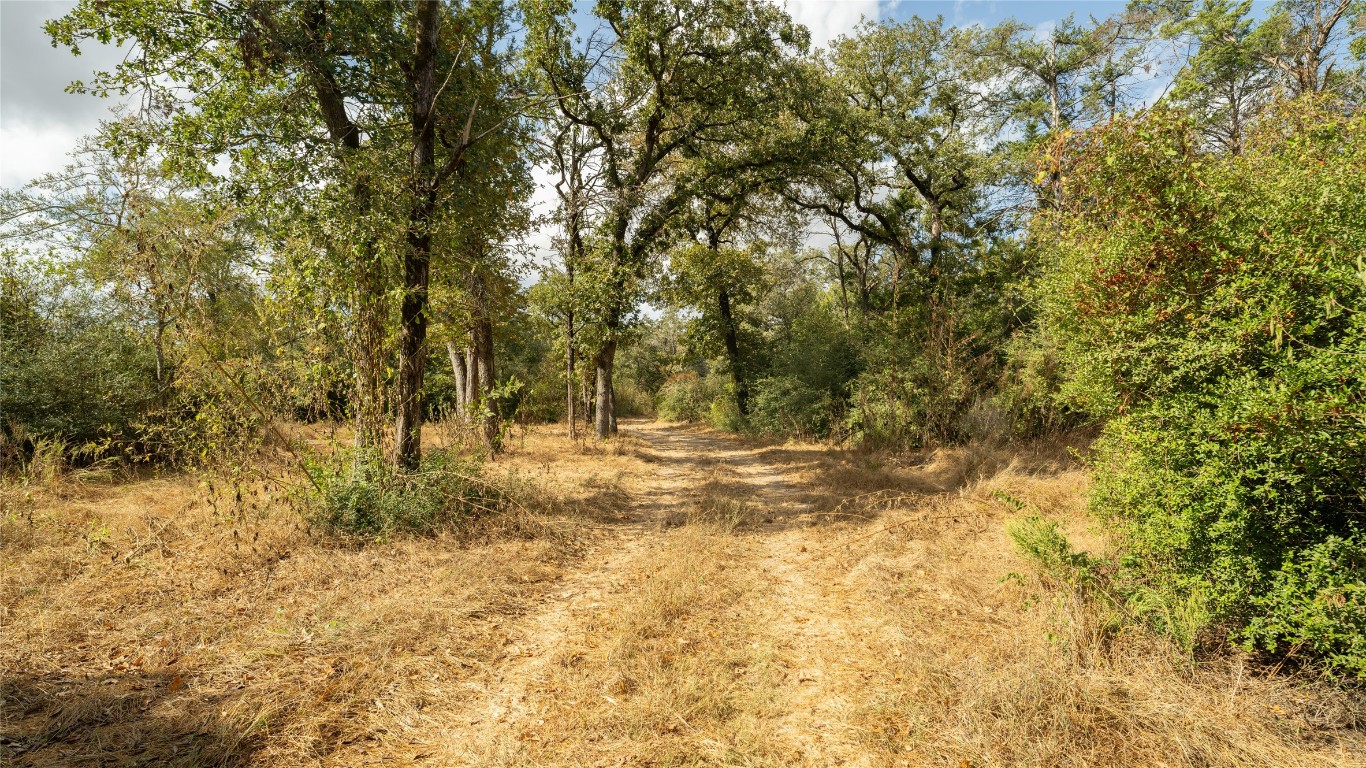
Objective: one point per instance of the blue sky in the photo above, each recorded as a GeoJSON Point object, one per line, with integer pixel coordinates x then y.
{"type": "Point", "coordinates": [40, 124]}
{"type": "Point", "coordinates": [990, 12]}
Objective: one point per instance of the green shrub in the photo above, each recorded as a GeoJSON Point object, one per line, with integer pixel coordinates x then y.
{"type": "Point", "coordinates": [687, 397]}
{"type": "Point", "coordinates": [71, 370]}
{"type": "Point", "coordinates": [370, 498]}
{"type": "Point", "coordinates": [1029, 387]}
{"type": "Point", "coordinates": [724, 415]}
{"type": "Point", "coordinates": [785, 406]}
{"type": "Point", "coordinates": [1212, 308]}
{"type": "Point", "coordinates": [1317, 602]}
{"type": "Point", "coordinates": [632, 400]}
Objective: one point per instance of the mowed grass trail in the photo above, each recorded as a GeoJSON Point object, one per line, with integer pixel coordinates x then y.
{"type": "Point", "coordinates": [677, 597]}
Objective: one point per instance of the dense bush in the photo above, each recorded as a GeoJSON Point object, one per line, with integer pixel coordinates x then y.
{"type": "Point", "coordinates": [916, 398]}
{"type": "Point", "coordinates": [371, 498]}
{"type": "Point", "coordinates": [1214, 309]}
{"type": "Point", "coordinates": [688, 397]}
{"type": "Point", "coordinates": [69, 370]}
{"type": "Point", "coordinates": [785, 405]}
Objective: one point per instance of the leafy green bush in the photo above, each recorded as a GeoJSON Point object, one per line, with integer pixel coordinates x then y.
{"type": "Point", "coordinates": [70, 370]}
{"type": "Point", "coordinates": [371, 498]}
{"type": "Point", "coordinates": [1213, 308]}
{"type": "Point", "coordinates": [688, 397]}
{"type": "Point", "coordinates": [1317, 601]}
{"type": "Point", "coordinates": [631, 400]}
{"type": "Point", "coordinates": [784, 405]}
{"type": "Point", "coordinates": [1028, 389]}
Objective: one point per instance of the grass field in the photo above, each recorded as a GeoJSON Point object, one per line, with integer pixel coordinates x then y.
{"type": "Point", "coordinates": [676, 597]}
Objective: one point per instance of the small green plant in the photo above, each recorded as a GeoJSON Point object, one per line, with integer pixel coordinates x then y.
{"type": "Point", "coordinates": [367, 497]}
{"type": "Point", "coordinates": [1183, 616]}
{"type": "Point", "coordinates": [1043, 544]}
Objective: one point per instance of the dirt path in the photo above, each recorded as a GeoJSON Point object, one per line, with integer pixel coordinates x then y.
{"type": "Point", "coordinates": [798, 631]}
{"type": "Point", "coordinates": [678, 598]}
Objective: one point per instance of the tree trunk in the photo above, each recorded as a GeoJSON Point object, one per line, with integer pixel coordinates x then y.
{"type": "Point", "coordinates": [461, 374]}
{"type": "Point", "coordinates": [417, 257]}
{"type": "Point", "coordinates": [569, 376]}
{"type": "Point", "coordinates": [160, 344]}
{"type": "Point", "coordinates": [483, 354]}
{"type": "Point", "coordinates": [481, 369]}
{"type": "Point", "coordinates": [603, 362]}
{"type": "Point", "coordinates": [733, 353]}
{"type": "Point", "coordinates": [844, 285]}
{"type": "Point", "coordinates": [1055, 127]}
{"type": "Point", "coordinates": [586, 391]}
{"type": "Point", "coordinates": [471, 382]}
{"type": "Point", "coordinates": [936, 212]}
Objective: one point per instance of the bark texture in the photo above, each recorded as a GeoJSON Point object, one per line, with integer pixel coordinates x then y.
{"type": "Point", "coordinates": [417, 256]}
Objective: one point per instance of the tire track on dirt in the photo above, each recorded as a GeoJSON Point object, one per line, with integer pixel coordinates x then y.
{"type": "Point", "coordinates": [795, 616]}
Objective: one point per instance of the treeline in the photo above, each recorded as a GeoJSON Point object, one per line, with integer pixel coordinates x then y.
{"type": "Point", "coordinates": [918, 235]}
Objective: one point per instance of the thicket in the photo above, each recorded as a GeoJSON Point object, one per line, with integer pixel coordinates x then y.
{"type": "Point", "coordinates": [363, 496]}
{"type": "Point", "coordinates": [1211, 309]}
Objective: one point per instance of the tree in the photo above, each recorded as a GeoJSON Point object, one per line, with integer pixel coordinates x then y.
{"type": "Point", "coordinates": [1225, 83]}
{"type": "Point", "coordinates": [1302, 41]}
{"type": "Point", "coordinates": [571, 153]}
{"type": "Point", "coordinates": [1073, 76]}
{"type": "Point", "coordinates": [900, 128]}
{"type": "Point", "coordinates": [716, 281]}
{"type": "Point", "coordinates": [1240, 64]}
{"type": "Point", "coordinates": [673, 76]}
{"type": "Point", "coordinates": [309, 95]}
{"type": "Point", "coordinates": [127, 228]}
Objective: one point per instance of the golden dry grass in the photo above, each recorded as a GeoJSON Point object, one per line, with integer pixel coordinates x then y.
{"type": "Point", "coordinates": [678, 598]}
{"type": "Point", "coordinates": [146, 622]}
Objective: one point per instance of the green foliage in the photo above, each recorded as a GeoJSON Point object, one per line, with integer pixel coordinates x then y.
{"type": "Point", "coordinates": [1316, 603]}
{"type": "Point", "coordinates": [1028, 390]}
{"type": "Point", "coordinates": [1047, 548]}
{"type": "Point", "coordinates": [632, 400]}
{"type": "Point", "coordinates": [367, 497]}
{"type": "Point", "coordinates": [69, 370]}
{"type": "Point", "coordinates": [787, 406]}
{"type": "Point", "coordinates": [1212, 307]}
{"type": "Point", "coordinates": [688, 397]}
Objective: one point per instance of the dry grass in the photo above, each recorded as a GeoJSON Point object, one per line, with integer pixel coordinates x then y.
{"type": "Point", "coordinates": [986, 667]}
{"type": "Point", "coordinates": [662, 670]}
{"type": "Point", "coordinates": [150, 622]}
{"type": "Point", "coordinates": [671, 598]}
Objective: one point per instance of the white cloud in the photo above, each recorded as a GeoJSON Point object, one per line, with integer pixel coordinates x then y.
{"type": "Point", "coordinates": [1043, 31]}
{"type": "Point", "coordinates": [828, 19]}
{"type": "Point", "coordinates": [28, 150]}
{"type": "Point", "coordinates": [39, 122]}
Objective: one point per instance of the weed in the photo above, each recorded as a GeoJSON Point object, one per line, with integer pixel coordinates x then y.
{"type": "Point", "coordinates": [367, 497]}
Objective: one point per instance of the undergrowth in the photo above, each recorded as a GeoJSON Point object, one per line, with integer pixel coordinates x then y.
{"type": "Point", "coordinates": [365, 496]}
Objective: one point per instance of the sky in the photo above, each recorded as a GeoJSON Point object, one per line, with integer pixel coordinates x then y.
{"type": "Point", "coordinates": [40, 123]}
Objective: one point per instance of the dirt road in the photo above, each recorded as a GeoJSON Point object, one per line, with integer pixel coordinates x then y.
{"type": "Point", "coordinates": [679, 597]}
{"type": "Point", "coordinates": [791, 646]}
{"type": "Point", "coordinates": [749, 614]}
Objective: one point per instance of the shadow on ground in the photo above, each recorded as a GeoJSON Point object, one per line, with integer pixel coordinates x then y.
{"type": "Point", "coordinates": [135, 718]}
